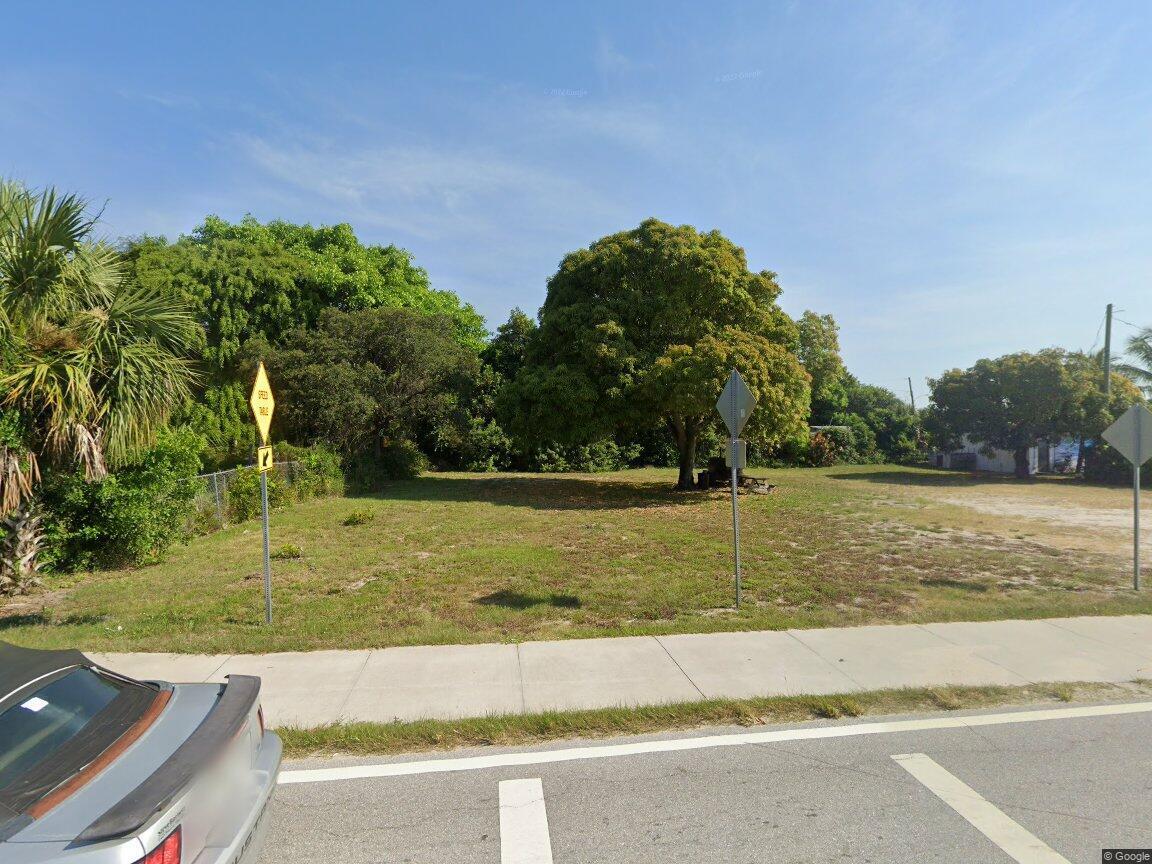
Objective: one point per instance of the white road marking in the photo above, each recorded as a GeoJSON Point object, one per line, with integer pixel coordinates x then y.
{"type": "Point", "coordinates": [673, 745]}
{"type": "Point", "coordinates": [523, 823]}
{"type": "Point", "coordinates": [1019, 843]}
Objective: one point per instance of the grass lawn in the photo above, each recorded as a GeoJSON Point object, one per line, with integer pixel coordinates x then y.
{"type": "Point", "coordinates": [475, 558]}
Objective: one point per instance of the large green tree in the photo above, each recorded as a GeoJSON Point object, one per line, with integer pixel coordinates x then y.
{"type": "Point", "coordinates": [91, 363]}
{"type": "Point", "coordinates": [258, 281]}
{"type": "Point", "coordinates": [1016, 401]}
{"type": "Point", "coordinates": [819, 352]}
{"type": "Point", "coordinates": [361, 380]}
{"type": "Point", "coordinates": [891, 424]}
{"type": "Point", "coordinates": [644, 326]}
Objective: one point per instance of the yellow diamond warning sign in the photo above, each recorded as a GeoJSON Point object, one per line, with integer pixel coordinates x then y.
{"type": "Point", "coordinates": [262, 402]}
{"type": "Point", "coordinates": [264, 458]}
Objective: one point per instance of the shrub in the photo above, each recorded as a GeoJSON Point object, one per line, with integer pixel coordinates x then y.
{"type": "Point", "coordinates": [287, 552]}
{"type": "Point", "coordinates": [358, 517]}
{"type": "Point", "coordinates": [398, 460]}
{"type": "Point", "coordinates": [1104, 464]}
{"type": "Point", "coordinates": [131, 517]}
{"type": "Point", "coordinates": [598, 456]}
{"type": "Point", "coordinates": [402, 460]}
{"type": "Point", "coordinates": [830, 447]}
{"type": "Point", "coordinates": [316, 472]}
{"type": "Point", "coordinates": [244, 494]}
{"type": "Point", "coordinates": [485, 447]}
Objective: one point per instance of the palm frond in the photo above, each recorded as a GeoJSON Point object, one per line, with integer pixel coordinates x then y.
{"type": "Point", "coordinates": [138, 393]}
{"type": "Point", "coordinates": [93, 361]}
{"type": "Point", "coordinates": [19, 473]}
{"type": "Point", "coordinates": [42, 238]}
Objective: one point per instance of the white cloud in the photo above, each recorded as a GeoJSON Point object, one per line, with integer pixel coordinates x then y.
{"type": "Point", "coordinates": [427, 191]}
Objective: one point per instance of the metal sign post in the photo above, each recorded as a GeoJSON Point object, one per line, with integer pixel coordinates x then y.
{"type": "Point", "coordinates": [1131, 435]}
{"type": "Point", "coordinates": [267, 551]}
{"type": "Point", "coordinates": [735, 405]}
{"type": "Point", "coordinates": [263, 404]}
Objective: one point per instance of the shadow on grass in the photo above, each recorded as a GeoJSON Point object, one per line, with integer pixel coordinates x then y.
{"type": "Point", "coordinates": [539, 491]}
{"type": "Point", "coordinates": [516, 600]}
{"type": "Point", "coordinates": [958, 584]}
{"type": "Point", "coordinates": [42, 619]}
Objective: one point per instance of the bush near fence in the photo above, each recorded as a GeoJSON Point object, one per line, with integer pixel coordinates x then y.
{"type": "Point", "coordinates": [226, 497]}
{"type": "Point", "coordinates": [130, 517]}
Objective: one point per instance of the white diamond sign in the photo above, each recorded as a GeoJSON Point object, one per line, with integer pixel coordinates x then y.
{"type": "Point", "coordinates": [1131, 434]}
{"type": "Point", "coordinates": [735, 404]}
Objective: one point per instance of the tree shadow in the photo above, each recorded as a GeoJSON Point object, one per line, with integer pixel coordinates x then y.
{"type": "Point", "coordinates": [516, 600]}
{"type": "Point", "coordinates": [42, 619]}
{"type": "Point", "coordinates": [958, 584]}
{"type": "Point", "coordinates": [540, 492]}
{"type": "Point", "coordinates": [33, 619]}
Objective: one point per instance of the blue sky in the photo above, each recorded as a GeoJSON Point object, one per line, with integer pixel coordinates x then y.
{"type": "Point", "coordinates": [949, 180]}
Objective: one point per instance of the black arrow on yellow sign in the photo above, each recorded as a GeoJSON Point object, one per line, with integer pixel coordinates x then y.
{"type": "Point", "coordinates": [264, 458]}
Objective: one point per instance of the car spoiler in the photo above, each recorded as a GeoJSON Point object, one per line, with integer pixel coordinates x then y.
{"type": "Point", "coordinates": [223, 723]}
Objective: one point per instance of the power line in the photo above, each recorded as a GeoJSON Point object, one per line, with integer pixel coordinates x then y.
{"type": "Point", "coordinates": [1098, 330]}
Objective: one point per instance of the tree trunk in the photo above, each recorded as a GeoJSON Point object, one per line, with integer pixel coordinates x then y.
{"type": "Point", "coordinates": [21, 539]}
{"type": "Point", "coordinates": [686, 444]}
{"type": "Point", "coordinates": [1022, 463]}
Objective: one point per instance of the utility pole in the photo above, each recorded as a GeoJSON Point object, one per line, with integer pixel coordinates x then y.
{"type": "Point", "coordinates": [1108, 351]}
{"type": "Point", "coordinates": [911, 395]}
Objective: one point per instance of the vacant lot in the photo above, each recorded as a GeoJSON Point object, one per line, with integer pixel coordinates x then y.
{"type": "Point", "coordinates": [469, 558]}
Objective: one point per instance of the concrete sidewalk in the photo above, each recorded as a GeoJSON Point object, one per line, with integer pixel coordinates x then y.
{"type": "Point", "coordinates": [451, 681]}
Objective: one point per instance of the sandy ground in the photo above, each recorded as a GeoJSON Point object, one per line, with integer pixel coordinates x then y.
{"type": "Point", "coordinates": [1061, 514]}
{"type": "Point", "coordinates": [1065, 513]}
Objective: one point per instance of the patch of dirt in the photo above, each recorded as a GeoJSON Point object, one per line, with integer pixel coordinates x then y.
{"type": "Point", "coordinates": [1065, 514]}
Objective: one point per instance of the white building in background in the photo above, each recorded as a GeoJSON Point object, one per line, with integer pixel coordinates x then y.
{"type": "Point", "coordinates": [1048, 458]}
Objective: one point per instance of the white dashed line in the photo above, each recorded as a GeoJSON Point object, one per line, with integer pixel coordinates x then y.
{"type": "Point", "coordinates": [1016, 840]}
{"type": "Point", "coordinates": [523, 823]}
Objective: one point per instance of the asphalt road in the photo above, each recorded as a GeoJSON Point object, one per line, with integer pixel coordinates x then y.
{"type": "Point", "coordinates": [997, 789]}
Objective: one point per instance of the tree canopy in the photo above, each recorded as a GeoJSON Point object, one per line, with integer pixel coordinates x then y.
{"type": "Point", "coordinates": [1016, 401]}
{"type": "Point", "coordinates": [643, 326]}
{"type": "Point", "coordinates": [258, 281]}
{"type": "Point", "coordinates": [819, 352]}
{"type": "Point", "coordinates": [361, 380]}
{"type": "Point", "coordinates": [92, 363]}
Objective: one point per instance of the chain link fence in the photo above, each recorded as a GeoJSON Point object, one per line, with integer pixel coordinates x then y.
{"type": "Point", "coordinates": [213, 505]}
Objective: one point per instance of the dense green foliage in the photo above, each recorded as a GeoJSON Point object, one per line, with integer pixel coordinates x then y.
{"type": "Point", "coordinates": [253, 283]}
{"type": "Point", "coordinates": [314, 472]}
{"type": "Point", "coordinates": [884, 428]}
{"type": "Point", "coordinates": [642, 328]}
{"type": "Point", "coordinates": [819, 352]}
{"type": "Point", "coordinates": [1016, 401]}
{"type": "Point", "coordinates": [129, 517]}
{"type": "Point", "coordinates": [91, 366]}
{"type": "Point", "coordinates": [360, 381]}
{"type": "Point", "coordinates": [92, 363]}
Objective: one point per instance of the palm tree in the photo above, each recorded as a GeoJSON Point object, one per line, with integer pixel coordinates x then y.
{"type": "Point", "coordinates": [91, 364]}
{"type": "Point", "coordinates": [1140, 352]}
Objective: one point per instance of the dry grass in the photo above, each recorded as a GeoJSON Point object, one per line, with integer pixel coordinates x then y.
{"type": "Point", "coordinates": [472, 558]}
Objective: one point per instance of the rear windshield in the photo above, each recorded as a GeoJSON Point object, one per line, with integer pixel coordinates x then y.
{"type": "Point", "coordinates": [45, 720]}
{"type": "Point", "coordinates": [49, 734]}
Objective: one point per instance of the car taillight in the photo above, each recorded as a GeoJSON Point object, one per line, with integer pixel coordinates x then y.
{"type": "Point", "coordinates": [260, 717]}
{"type": "Point", "coordinates": [167, 852]}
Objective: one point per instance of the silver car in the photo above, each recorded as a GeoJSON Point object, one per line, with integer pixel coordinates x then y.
{"type": "Point", "coordinates": [96, 768]}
